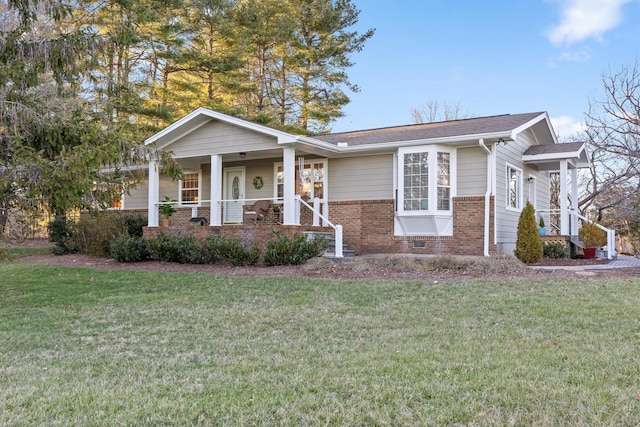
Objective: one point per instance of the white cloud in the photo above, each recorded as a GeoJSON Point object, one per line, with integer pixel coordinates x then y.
{"type": "Point", "coordinates": [585, 19]}
{"type": "Point", "coordinates": [567, 127]}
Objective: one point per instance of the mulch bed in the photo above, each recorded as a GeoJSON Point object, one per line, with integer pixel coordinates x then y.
{"type": "Point", "coordinates": [374, 268]}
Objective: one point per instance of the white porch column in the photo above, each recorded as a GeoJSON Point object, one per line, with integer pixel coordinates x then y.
{"type": "Point", "coordinates": [574, 200]}
{"type": "Point", "coordinates": [216, 190]}
{"type": "Point", "coordinates": [153, 194]}
{"type": "Point", "coordinates": [289, 170]}
{"type": "Point", "coordinates": [564, 199]}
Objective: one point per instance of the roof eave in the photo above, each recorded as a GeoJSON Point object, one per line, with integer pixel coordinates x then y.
{"type": "Point", "coordinates": [431, 141]}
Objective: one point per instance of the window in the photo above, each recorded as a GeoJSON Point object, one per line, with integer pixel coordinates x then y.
{"type": "Point", "coordinates": [116, 201]}
{"type": "Point", "coordinates": [514, 188]}
{"type": "Point", "coordinates": [310, 181]}
{"type": "Point", "coordinates": [190, 188]}
{"type": "Point", "coordinates": [444, 181]}
{"type": "Point", "coordinates": [426, 180]}
{"type": "Point", "coordinates": [416, 181]}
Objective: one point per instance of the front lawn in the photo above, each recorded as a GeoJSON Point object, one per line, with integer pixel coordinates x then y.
{"type": "Point", "coordinates": [88, 347]}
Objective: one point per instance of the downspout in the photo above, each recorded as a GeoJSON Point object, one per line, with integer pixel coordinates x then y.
{"type": "Point", "coordinates": [487, 199]}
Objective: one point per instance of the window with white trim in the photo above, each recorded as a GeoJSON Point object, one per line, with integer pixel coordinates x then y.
{"type": "Point", "coordinates": [190, 185]}
{"type": "Point", "coordinates": [514, 188]}
{"type": "Point", "coordinates": [416, 181]}
{"type": "Point", "coordinates": [310, 181]}
{"type": "Point", "coordinates": [444, 181]}
{"type": "Point", "coordinates": [426, 180]}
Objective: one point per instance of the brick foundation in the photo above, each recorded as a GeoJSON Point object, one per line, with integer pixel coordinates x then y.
{"type": "Point", "coordinates": [248, 234]}
{"type": "Point", "coordinates": [368, 228]}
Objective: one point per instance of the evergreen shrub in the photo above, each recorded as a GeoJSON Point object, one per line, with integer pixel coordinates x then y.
{"type": "Point", "coordinates": [182, 249]}
{"type": "Point", "coordinates": [133, 223]}
{"type": "Point", "coordinates": [231, 250]}
{"type": "Point", "coordinates": [293, 250]}
{"type": "Point", "coordinates": [555, 250]}
{"type": "Point", "coordinates": [60, 234]}
{"type": "Point", "coordinates": [125, 248]}
{"type": "Point", "coordinates": [528, 246]}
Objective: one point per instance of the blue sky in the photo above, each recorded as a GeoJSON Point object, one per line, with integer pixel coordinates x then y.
{"type": "Point", "coordinates": [489, 57]}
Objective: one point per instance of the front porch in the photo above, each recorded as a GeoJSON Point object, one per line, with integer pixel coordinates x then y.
{"type": "Point", "coordinates": [247, 226]}
{"type": "Point", "coordinates": [553, 231]}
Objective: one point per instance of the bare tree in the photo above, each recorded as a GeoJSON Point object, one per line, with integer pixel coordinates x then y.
{"type": "Point", "coordinates": [431, 112]}
{"type": "Point", "coordinates": [613, 134]}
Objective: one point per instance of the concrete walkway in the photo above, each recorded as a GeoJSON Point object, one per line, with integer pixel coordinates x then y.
{"type": "Point", "coordinates": [622, 261]}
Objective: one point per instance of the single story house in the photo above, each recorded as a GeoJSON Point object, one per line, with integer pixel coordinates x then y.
{"type": "Point", "coordinates": [453, 187]}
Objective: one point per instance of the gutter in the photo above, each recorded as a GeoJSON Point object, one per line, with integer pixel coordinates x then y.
{"type": "Point", "coordinates": [487, 199]}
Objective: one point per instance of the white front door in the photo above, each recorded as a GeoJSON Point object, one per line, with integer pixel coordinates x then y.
{"type": "Point", "coordinates": [233, 194]}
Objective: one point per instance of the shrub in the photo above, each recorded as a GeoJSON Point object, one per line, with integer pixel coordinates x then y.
{"type": "Point", "coordinates": [230, 250]}
{"type": "Point", "coordinates": [125, 248]}
{"type": "Point", "coordinates": [528, 246]}
{"type": "Point", "coordinates": [555, 250]}
{"type": "Point", "coordinates": [93, 233]}
{"type": "Point", "coordinates": [293, 250]}
{"type": "Point", "coordinates": [60, 233]}
{"type": "Point", "coordinates": [592, 236]}
{"type": "Point", "coordinates": [182, 249]}
{"type": "Point", "coordinates": [133, 223]}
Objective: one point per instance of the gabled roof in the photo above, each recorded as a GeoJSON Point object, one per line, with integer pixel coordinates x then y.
{"type": "Point", "coordinates": [548, 156]}
{"type": "Point", "coordinates": [202, 116]}
{"type": "Point", "coordinates": [504, 126]}
{"type": "Point", "coordinates": [491, 129]}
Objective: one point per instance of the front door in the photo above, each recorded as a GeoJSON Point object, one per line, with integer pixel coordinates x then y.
{"type": "Point", "coordinates": [233, 194]}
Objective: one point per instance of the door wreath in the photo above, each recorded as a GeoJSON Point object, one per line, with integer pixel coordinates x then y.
{"type": "Point", "coordinates": [258, 182]}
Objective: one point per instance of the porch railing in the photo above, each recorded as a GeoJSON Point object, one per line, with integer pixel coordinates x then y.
{"type": "Point", "coordinates": [337, 236]}
{"type": "Point", "coordinates": [553, 225]}
{"type": "Point", "coordinates": [611, 234]}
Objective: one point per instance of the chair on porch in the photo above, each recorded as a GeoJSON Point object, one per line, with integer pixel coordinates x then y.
{"type": "Point", "coordinates": [255, 212]}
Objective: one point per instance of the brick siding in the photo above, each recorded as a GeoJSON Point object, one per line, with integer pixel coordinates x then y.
{"type": "Point", "coordinates": [368, 228]}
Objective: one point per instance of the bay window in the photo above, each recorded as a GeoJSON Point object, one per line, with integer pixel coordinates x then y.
{"type": "Point", "coordinates": [426, 186]}
{"type": "Point", "coordinates": [426, 180]}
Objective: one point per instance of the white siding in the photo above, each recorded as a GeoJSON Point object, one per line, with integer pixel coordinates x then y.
{"type": "Point", "coordinates": [264, 169]}
{"type": "Point", "coordinates": [220, 138]}
{"type": "Point", "coordinates": [472, 172]}
{"type": "Point", "coordinates": [361, 178]}
{"type": "Point", "coordinates": [139, 198]}
{"type": "Point", "coordinates": [506, 220]}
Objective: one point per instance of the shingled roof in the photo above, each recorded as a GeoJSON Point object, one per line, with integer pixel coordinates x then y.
{"type": "Point", "coordinates": [567, 147]}
{"type": "Point", "coordinates": [453, 128]}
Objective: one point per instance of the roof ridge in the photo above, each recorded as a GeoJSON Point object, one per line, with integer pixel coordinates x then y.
{"type": "Point", "coordinates": [424, 124]}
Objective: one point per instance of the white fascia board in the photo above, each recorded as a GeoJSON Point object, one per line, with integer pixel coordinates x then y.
{"type": "Point", "coordinates": [143, 166]}
{"type": "Point", "coordinates": [446, 140]}
{"type": "Point", "coordinates": [530, 123]}
{"type": "Point", "coordinates": [282, 136]}
{"type": "Point", "coordinates": [305, 140]}
{"type": "Point", "coordinates": [153, 138]}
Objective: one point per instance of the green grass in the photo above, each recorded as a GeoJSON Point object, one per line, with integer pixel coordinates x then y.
{"type": "Point", "coordinates": [85, 347]}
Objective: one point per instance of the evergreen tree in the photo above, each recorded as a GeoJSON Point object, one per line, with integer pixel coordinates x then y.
{"type": "Point", "coordinates": [528, 246]}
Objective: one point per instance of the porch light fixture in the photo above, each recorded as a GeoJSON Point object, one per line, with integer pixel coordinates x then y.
{"type": "Point", "coordinates": [242, 154]}
{"type": "Point", "coordinates": [530, 179]}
